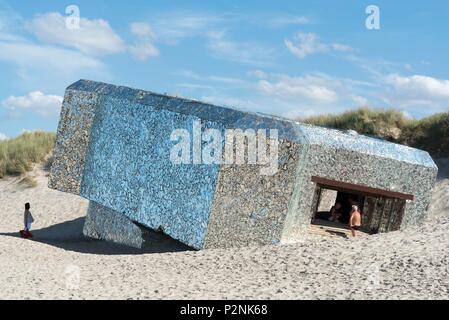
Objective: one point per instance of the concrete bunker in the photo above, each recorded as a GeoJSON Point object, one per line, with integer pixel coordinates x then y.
{"type": "Point", "coordinates": [113, 148]}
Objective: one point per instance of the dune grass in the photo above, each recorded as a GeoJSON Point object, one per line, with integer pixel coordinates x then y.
{"type": "Point", "coordinates": [430, 134]}
{"type": "Point", "coordinates": [18, 155]}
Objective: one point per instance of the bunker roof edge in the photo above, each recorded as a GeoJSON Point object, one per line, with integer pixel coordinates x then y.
{"type": "Point", "coordinates": [235, 118]}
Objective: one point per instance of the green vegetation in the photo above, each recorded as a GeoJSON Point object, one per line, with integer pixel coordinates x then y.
{"type": "Point", "coordinates": [18, 155]}
{"type": "Point", "coordinates": [430, 134]}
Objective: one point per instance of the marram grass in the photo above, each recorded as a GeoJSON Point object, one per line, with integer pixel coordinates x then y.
{"type": "Point", "coordinates": [18, 155]}
{"type": "Point", "coordinates": [430, 133]}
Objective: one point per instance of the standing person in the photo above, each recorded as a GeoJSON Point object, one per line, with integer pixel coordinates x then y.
{"type": "Point", "coordinates": [27, 218]}
{"type": "Point", "coordinates": [355, 219]}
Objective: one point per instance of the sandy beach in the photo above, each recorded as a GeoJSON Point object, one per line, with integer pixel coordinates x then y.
{"type": "Point", "coordinates": [59, 263]}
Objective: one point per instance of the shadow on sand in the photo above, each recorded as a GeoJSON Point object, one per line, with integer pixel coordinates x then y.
{"type": "Point", "coordinates": [69, 236]}
{"type": "Point", "coordinates": [336, 233]}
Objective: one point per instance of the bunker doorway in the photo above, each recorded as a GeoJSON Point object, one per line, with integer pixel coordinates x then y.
{"type": "Point", "coordinates": [339, 201]}
{"type": "Point", "coordinates": [382, 210]}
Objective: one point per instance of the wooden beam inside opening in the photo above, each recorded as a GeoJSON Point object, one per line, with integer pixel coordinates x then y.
{"type": "Point", "coordinates": [364, 190]}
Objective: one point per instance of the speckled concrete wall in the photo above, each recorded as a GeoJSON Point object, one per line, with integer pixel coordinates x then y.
{"type": "Point", "coordinates": [249, 208]}
{"type": "Point", "coordinates": [128, 168]}
{"type": "Point", "coordinates": [104, 223]}
{"type": "Point", "coordinates": [72, 140]}
{"type": "Point", "coordinates": [123, 164]}
{"type": "Point", "coordinates": [113, 148]}
{"type": "Point", "coordinates": [364, 161]}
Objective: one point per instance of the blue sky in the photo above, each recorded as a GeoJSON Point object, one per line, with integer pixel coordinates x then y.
{"type": "Point", "coordinates": [289, 58]}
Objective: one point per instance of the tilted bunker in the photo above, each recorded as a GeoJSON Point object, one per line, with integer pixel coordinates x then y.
{"type": "Point", "coordinates": [114, 147]}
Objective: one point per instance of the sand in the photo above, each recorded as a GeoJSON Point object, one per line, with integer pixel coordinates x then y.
{"type": "Point", "coordinates": [59, 263]}
{"type": "Point", "coordinates": [440, 199]}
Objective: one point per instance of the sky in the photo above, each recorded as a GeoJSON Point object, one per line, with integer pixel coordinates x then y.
{"type": "Point", "coordinates": [287, 58]}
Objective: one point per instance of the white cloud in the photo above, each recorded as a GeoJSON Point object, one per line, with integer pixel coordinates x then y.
{"type": "Point", "coordinates": [143, 51]}
{"type": "Point", "coordinates": [280, 94]}
{"type": "Point", "coordinates": [10, 23]}
{"type": "Point", "coordinates": [46, 66]}
{"type": "Point", "coordinates": [172, 26]}
{"type": "Point", "coordinates": [3, 136]}
{"type": "Point", "coordinates": [285, 20]}
{"type": "Point", "coordinates": [142, 29]}
{"type": "Point", "coordinates": [143, 48]}
{"type": "Point", "coordinates": [420, 86]}
{"type": "Point", "coordinates": [305, 44]}
{"type": "Point", "coordinates": [272, 20]}
{"type": "Point", "coordinates": [309, 87]}
{"type": "Point", "coordinates": [416, 91]}
{"type": "Point", "coordinates": [312, 93]}
{"type": "Point", "coordinates": [359, 100]}
{"type": "Point", "coordinates": [94, 37]}
{"type": "Point", "coordinates": [49, 67]}
{"type": "Point", "coordinates": [342, 47]}
{"type": "Point", "coordinates": [26, 54]}
{"type": "Point", "coordinates": [259, 74]}
{"type": "Point", "coordinates": [35, 101]}
{"type": "Point", "coordinates": [415, 94]}
{"type": "Point", "coordinates": [249, 53]}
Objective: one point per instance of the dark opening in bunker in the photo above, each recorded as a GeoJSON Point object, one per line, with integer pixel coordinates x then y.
{"type": "Point", "coordinates": [382, 210]}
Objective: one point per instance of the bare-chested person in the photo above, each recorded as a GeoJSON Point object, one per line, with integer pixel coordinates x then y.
{"type": "Point", "coordinates": [355, 220]}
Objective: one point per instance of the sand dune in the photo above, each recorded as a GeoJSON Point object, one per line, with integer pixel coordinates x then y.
{"type": "Point", "coordinates": [61, 263]}
{"type": "Point", "coordinates": [440, 199]}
